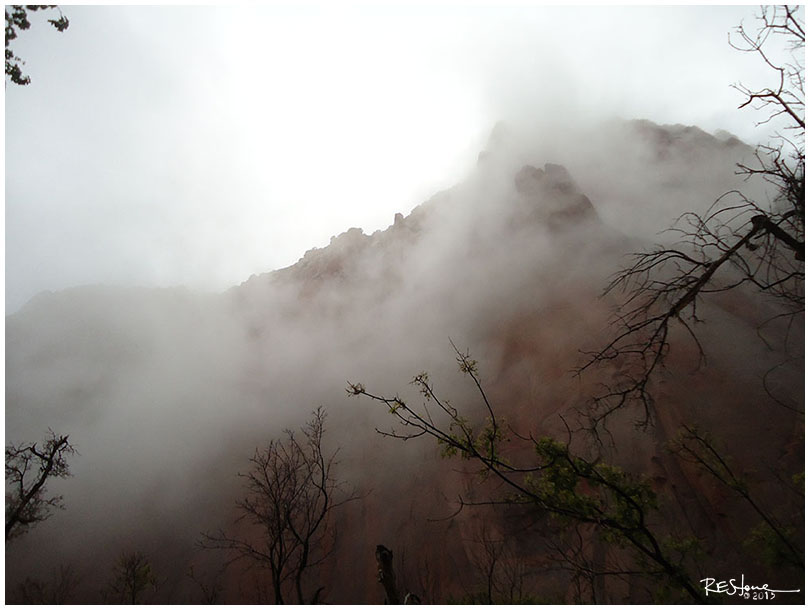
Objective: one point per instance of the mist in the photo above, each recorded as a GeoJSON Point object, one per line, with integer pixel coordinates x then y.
{"type": "Point", "coordinates": [206, 144]}
{"type": "Point", "coordinates": [165, 392]}
{"type": "Point", "coordinates": [195, 270]}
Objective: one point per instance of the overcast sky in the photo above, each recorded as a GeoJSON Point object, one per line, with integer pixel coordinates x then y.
{"type": "Point", "coordinates": [165, 146]}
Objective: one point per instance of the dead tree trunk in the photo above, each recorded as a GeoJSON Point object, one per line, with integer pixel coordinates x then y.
{"type": "Point", "coordinates": [385, 574]}
{"type": "Point", "coordinates": [386, 577]}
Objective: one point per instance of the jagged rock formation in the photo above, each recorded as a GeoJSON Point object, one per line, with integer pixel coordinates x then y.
{"type": "Point", "coordinates": [165, 393]}
{"type": "Point", "coordinates": [554, 185]}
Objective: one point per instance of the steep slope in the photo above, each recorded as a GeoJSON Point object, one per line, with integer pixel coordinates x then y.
{"type": "Point", "coordinates": [165, 393]}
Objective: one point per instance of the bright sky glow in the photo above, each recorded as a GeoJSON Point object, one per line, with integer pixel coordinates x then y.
{"type": "Point", "coordinates": [197, 146]}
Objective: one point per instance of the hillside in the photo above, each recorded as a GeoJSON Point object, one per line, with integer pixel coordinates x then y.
{"type": "Point", "coordinates": [166, 392]}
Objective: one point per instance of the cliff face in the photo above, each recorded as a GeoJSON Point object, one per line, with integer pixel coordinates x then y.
{"type": "Point", "coordinates": [166, 393]}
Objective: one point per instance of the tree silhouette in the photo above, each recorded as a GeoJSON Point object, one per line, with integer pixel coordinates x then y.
{"type": "Point", "coordinates": [783, 543]}
{"type": "Point", "coordinates": [28, 469]}
{"type": "Point", "coordinates": [59, 589]}
{"type": "Point", "coordinates": [291, 494]}
{"type": "Point", "coordinates": [743, 244]}
{"type": "Point", "coordinates": [737, 242]}
{"type": "Point", "coordinates": [132, 575]}
{"type": "Point", "coordinates": [17, 19]}
{"type": "Point", "coordinates": [557, 483]}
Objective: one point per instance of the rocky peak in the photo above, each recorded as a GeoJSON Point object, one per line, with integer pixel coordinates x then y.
{"type": "Point", "coordinates": [682, 141]}
{"type": "Point", "coordinates": [550, 195]}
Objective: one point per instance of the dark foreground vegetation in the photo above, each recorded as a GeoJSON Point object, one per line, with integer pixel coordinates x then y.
{"type": "Point", "coordinates": [558, 509]}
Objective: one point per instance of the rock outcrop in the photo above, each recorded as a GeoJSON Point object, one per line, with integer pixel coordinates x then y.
{"type": "Point", "coordinates": [167, 393]}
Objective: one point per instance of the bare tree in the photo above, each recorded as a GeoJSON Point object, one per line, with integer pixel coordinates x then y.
{"type": "Point", "coordinates": [58, 590]}
{"type": "Point", "coordinates": [132, 576]}
{"type": "Point", "coordinates": [739, 241]}
{"type": "Point", "coordinates": [28, 469]}
{"type": "Point", "coordinates": [501, 573]}
{"type": "Point", "coordinates": [741, 244]}
{"type": "Point", "coordinates": [291, 495]}
{"type": "Point", "coordinates": [786, 98]}
{"type": "Point", "coordinates": [210, 587]}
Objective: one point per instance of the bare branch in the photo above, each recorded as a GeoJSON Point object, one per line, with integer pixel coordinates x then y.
{"type": "Point", "coordinates": [555, 485]}
{"type": "Point", "coordinates": [28, 469]}
{"type": "Point", "coordinates": [291, 493]}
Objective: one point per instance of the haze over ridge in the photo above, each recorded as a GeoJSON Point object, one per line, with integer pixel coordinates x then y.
{"type": "Point", "coordinates": [166, 392]}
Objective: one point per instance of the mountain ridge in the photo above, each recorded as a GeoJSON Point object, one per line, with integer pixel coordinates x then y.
{"type": "Point", "coordinates": [169, 391]}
